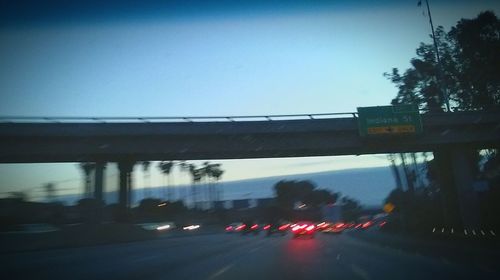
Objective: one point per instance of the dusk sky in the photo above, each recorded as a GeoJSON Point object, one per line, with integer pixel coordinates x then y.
{"type": "Point", "coordinates": [202, 59]}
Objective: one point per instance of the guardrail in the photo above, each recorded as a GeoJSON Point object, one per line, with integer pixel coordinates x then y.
{"type": "Point", "coordinates": [32, 119]}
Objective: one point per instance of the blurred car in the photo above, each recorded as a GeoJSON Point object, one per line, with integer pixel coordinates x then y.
{"type": "Point", "coordinates": [191, 226]}
{"type": "Point", "coordinates": [323, 226]}
{"type": "Point", "coordinates": [280, 228]}
{"type": "Point", "coordinates": [235, 227]}
{"type": "Point", "coordinates": [303, 229]}
{"type": "Point", "coordinates": [165, 226]}
{"type": "Point", "coordinates": [250, 227]}
{"type": "Point", "coordinates": [364, 225]}
{"type": "Point", "coordinates": [350, 225]}
{"type": "Point", "coordinates": [335, 228]}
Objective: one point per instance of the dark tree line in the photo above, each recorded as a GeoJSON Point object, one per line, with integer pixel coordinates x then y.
{"type": "Point", "coordinates": [469, 74]}
{"type": "Point", "coordinates": [469, 77]}
{"type": "Point", "coordinates": [289, 193]}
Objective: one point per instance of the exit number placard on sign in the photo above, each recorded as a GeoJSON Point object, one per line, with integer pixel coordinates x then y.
{"type": "Point", "coordinates": [389, 120]}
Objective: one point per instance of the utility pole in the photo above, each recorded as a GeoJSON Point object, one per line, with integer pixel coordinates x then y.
{"type": "Point", "coordinates": [443, 90]}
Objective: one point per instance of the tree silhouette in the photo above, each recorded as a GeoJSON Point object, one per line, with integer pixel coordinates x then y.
{"type": "Point", "coordinates": [217, 173]}
{"type": "Point", "coordinates": [50, 191]}
{"type": "Point", "coordinates": [87, 168]}
{"type": "Point", "coordinates": [351, 209]}
{"type": "Point", "coordinates": [184, 167]}
{"type": "Point", "coordinates": [165, 168]}
{"type": "Point", "coordinates": [290, 192]}
{"type": "Point", "coordinates": [208, 172]}
{"type": "Point", "coordinates": [147, 178]}
{"type": "Point", "coordinates": [196, 176]}
{"type": "Point", "coordinates": [470, 68]}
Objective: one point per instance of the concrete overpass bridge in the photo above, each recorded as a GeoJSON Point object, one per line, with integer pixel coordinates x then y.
{"type": "Point", "coordinates": [128, 140]}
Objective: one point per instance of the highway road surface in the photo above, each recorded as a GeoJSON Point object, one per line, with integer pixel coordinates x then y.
{"type": "Point", "coordinates": [228, 256]}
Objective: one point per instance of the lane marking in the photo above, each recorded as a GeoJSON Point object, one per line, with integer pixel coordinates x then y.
{"type": "Point", "coordinates": [220, 271]}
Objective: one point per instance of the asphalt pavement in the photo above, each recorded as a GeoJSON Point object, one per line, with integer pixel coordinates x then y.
{"type": "Point", "coordinates": [233, 256]}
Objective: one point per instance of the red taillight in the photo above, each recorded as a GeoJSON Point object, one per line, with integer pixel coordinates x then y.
{"type": "Point", "coordinates": [254, 227]}
{"type": "Point", "coordinates": [240, 227]}
{"type": "Point", "coordinates": [229, 228]}
{"type": "Point", "coordinates": [382, 223]}
{"type": "Point", "coordinates": [266, 227]}
{"type": "Point", "coordinates": [295, 228]}
{"type": "Point", "coordinates": [309, 228]}
{"type": "Point", "coordinates": [284, 227]}
{"type": "Point", "coordinates": [367, 224]}
{"type": "Point", "coordinates": [339, 225]}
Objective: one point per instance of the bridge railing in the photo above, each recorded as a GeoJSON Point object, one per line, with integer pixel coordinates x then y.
{"type": "Point", "coordinates": [34, 119]}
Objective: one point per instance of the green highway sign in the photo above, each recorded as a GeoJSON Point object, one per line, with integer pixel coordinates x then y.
{"type": "Point", "coordinates": [389, 120]}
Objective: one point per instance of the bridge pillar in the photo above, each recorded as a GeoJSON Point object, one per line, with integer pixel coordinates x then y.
{"type": "Point", "coordinates": [125, 187]}
{"type": "Point", "coordinates": [99, 181]}
{"type": "Point", "coordinates": [456, 182]}
{"type": "Point", "coordinates": [464, 182]}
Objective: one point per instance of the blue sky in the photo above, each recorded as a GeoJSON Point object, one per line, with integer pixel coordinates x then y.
{"type": "Point", "coordinates": [192, 59]}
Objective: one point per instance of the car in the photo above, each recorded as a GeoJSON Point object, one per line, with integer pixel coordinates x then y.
{"type": "Point", "coordinates": [281, 228]}
{"type": "Point", "coordinates": [323, 226]}
{"type": "Point", "coordinates": [191, 226]}
{"type": "Point", "coordinates": [250, 227]}
{"type": "Point", "coordinates": [303, 228]}
{"type": "Point", "coordinates": [335, 228]}
{"type": "Point", "coordinates": [235, 227]}
{"type": "Point", "coordinates": [364, 225]}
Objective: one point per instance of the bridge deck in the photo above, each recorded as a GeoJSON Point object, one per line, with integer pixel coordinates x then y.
{"type": "Point", "coordinates": [75, 141]}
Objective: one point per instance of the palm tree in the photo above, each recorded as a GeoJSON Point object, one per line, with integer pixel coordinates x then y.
{"type": "Point", "coordinates": [50, 191]}
{"type": "Point", "coordinates": [395, 171]}
{"type": "Point", "coordinates": [196, 177]}
{"type": "Point", "coordinates": [87, 168]}
{"type": "Point", "coordinates": [206, 173]}
{"type": "Point", "coordinates": [409, 175]}
{"type": "Point", "coordinates": [147, 178]}
{"type": "Point", "coordinates": [184, 167]}
{"type": "Point", "coordinates": [209, 172]}
{"type": "Point", "coordinates": [216, 175]}
{"type": "Point", "coordinates": [165, 168]}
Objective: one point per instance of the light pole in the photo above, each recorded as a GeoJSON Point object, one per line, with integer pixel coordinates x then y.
{"type": "Point", "coordinates": [438, 59]}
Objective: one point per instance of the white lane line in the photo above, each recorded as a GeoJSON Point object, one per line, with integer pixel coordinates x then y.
{"type": "Point", "coordinates": [220, 271]}
{"type": "Point", "coordinates": [492, 233]}
{"type": "Point", "coordinates": [360, 272]}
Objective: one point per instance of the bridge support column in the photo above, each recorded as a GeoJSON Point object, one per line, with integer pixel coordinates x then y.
{"type": "Point", "coordinates": [125, 187]}
{"type": "Point", "coordinates": [464, 182]}
{"type": "Point", "coordinates": [455, 174]}
{"type": "Point", "coordinates": [99, 181]}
